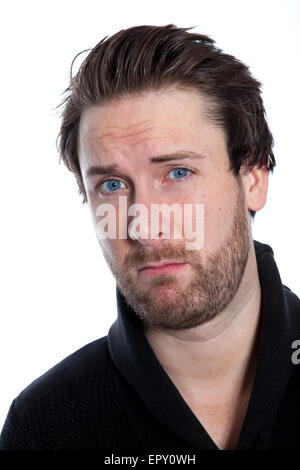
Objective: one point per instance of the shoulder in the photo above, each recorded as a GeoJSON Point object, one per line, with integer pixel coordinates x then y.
{"type": "Point", "coordinates": [87, 361]}
{"type": "Point", "coordinates": [292, 301]}
{"type": "Point", "coordinates": [292, 309]}
{"type": "Point", "coordinates": [265, 254]}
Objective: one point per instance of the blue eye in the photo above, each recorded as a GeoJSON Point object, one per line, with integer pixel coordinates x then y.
{"type": "Point", "coordinates": [111, 185]}
{"type": "Point", "coordinates": [179, 173]}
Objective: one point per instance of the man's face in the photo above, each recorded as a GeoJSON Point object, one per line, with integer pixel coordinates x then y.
{"type": "Point", "coordinates": [131, 134]}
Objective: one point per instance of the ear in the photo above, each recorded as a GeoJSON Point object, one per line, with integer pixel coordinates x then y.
{"type": "Point", "coordinates": [255, 184]}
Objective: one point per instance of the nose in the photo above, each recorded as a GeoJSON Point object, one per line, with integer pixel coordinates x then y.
{"type": "Point", "coordinates": [143, 226]}
{"type": "Point", "coordinates": [146, 241]}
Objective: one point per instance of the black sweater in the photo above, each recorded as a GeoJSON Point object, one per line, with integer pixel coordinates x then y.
{"type": "Point", "coordinates": [114, 395]}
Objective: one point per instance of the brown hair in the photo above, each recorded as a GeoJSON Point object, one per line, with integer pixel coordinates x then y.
{"type": "Point", "coordinates": [143, 58]}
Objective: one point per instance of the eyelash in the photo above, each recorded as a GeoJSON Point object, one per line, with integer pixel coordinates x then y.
{"type": "Point", "coordinates": [116, 179]}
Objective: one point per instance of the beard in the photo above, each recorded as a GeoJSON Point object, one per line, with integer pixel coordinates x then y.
{"type": "Point", "coordinates": [162, 303]}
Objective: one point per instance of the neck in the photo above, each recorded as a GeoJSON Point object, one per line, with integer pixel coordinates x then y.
{"type": "Point", "coordinates": [219, 355]}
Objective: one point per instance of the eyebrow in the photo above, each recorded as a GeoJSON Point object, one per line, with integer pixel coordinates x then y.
{"type": "Point", "coordinates": [104, 170]}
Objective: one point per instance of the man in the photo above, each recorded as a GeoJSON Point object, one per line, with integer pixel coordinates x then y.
{"type": "Point", "coordinates": [200, 356]}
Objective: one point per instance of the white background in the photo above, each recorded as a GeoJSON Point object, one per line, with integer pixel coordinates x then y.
{"type": "Point", "coordinates": [57, 294]}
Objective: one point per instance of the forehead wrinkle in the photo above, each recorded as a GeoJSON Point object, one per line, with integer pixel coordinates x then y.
{"type": "Point", "coordinates": [104, 152]}
{"type": "Point", "coordinates": [122, 128]}
{"type": "Point", "coordinates": [100, 148]}
{"type": "Point", "coordinates": [121, 137]}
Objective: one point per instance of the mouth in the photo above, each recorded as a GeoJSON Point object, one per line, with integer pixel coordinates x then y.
{"type": "Point", "coordinates": [165, 267]}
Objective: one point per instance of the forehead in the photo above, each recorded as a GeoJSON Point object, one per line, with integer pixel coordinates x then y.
{"type": "Point", "coordinates": [151, 122]}
{"type": "Point", "coordinates": [163, 106]}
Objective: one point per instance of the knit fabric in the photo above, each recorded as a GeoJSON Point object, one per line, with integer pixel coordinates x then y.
{"type": "Point", "coordinates": [83, 413]}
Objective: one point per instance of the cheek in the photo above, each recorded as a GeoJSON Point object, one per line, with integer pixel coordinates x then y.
{"type": "Point", "coordinates": [219, 207]}
{"type": "Point", "coordinates": [115, 250]}
{"type": "Point", "coordinates": [110, 245]}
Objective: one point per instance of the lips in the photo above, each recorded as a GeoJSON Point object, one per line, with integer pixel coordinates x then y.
{"type": "Point", "coordinates": [166, 267]}
{"type": "Point", "coordinates": [159, 265]}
